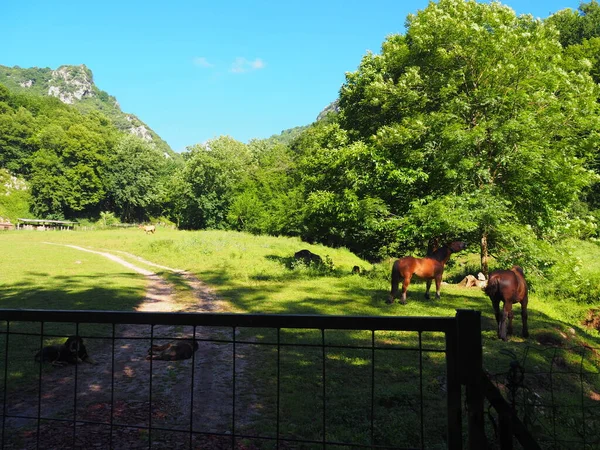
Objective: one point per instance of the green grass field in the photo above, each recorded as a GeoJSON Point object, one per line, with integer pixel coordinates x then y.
{"type": "Point", "coordinates": [257, 275]}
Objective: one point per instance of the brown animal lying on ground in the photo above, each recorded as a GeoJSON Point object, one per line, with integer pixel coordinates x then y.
{"type": "Point", "coordinates": [308, 257]}
{"type": "Point", "coordinates": [72, 351]}
{"type": "Point", "coordinates": [173, 350]}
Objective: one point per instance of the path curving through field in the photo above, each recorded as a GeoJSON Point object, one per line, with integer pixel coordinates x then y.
{"type": "Point", "coordinates": [119, 384]}
{"type": "Point", "coordinates": [159, 293]}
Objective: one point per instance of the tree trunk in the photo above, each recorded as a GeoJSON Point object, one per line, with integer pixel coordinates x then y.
{"type": "Point", "coordinates": [484, 254]}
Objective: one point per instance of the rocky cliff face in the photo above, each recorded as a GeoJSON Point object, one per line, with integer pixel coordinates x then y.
{"type": "Point", "coordinates": [333, 107]}
{"type": "Point", "coordinates": [140, 130]}
{"type": "Point", "coordinates": [70, 83]}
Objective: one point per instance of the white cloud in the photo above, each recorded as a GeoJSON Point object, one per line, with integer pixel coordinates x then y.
{"type": "Point", "coordinates": [201, 61]}
{"type": "Point", "coordinates": [241, 65]}
{"type": "Point", "coordinates": [257, 64]}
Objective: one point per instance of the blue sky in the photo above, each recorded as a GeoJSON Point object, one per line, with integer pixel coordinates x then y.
{"type": "Point", "coordinates": [195, 70]}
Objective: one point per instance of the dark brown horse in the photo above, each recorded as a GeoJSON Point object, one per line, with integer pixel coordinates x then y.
{"type": "Point", "coordinates": [508, 287]}
{"type": "Point", "coordinates": [429, 268]}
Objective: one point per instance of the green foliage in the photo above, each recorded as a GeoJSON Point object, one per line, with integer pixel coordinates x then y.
{"type": "Point", "coordinates": [108, 218]}
{"type": "Point", "coordinates": [455, 130]}
{"type": "Point", "coordinates": [575, 27]}
{"type": "Point", "coordinates": [14, 197]}
{"type": "Point", "coordinates": [67, 170]}
{"type": "Point", "coordinates": [17, 128]}
{"type": "Point", "coordinates": [269, 200]}
{"type": "Point", "coordinates": [213, 174]}
{"type": "Point", "coordinates": [133, 178]}
{"type": "Point", "coordinates": [574, 276]}
{"type": "Point", "coordinates": [286, 137]}
{"type": "Point", "coordinates": [79, 164]}
{"type": "Point", "coordinates": [37, 81]}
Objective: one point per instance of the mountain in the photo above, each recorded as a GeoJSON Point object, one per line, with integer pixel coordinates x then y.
{"type": "Point", "coordinates": [287, 136]}
{"type": "Point", "coordinates": [332, 108]}
{"type": "Point", "coordinates": [74, 85]}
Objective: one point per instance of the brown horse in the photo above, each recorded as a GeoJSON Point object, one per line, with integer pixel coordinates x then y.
{"type": "Point", "coordinates": [429, 268]}
{"type": "Point", "coordinates": [508, 287]}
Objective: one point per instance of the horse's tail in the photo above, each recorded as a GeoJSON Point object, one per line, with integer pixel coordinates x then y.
{"type": "Point", "coordinates": [492, 287]}
{"type": "Point", "coordinates": [521, 291]}
{"type": "Point", "coordinates": [395, 280]}
{"type": "Point", "coordinates": [519, 269]}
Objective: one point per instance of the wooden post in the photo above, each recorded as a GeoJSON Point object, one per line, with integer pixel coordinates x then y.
{"type": "Point", "coordinates": [470, 357]}
{"type": "Point", "coordinates": [484, 254]}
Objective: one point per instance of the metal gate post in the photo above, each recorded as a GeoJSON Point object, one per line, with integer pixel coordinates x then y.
{"type": "Point", "coordinates": [454, 390]}
{"type": "Point", "coordinates": [470, 356]}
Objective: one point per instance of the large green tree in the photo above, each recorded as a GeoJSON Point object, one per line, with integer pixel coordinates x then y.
{"type": "Point", "coordinates": [68, 169]}
{"type": "Point", "coordinates": [133, 178]}
{"type": "Point", "coordinates": [269, 200]}
{"type": "Point", "coordinates": [476, 120]}
{"type": "Point", "coordinates": [213, 174]}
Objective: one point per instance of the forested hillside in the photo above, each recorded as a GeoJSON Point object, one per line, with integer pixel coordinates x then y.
{"type": "Point", "coordinates": [76, 164]}
{"type": "Point", "coordinates": [74, 85]}
{"type": "Point", "coordinates": [475, 124]}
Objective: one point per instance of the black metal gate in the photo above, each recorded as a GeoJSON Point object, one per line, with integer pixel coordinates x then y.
{"type": "Point", "coordinates": [336, 348]}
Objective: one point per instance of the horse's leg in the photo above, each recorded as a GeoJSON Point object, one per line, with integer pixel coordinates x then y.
{"type": "Point", "coordinates": [395, 281]}
{"type": "Point", "coordinates": [502, 326]}
{"type": "Point", "coordinates": [427, 297]}
{"type": "Point", "coordinates": [524, 317]}
{"type": "Point", "coordinates": [405, 283]}
{"type": "Point", "coordinates": [510, 315]}
{"type": "Point", "coordinates": [438, 284]}
{"type": "Point", "coordinates": [504, 318]}
{"type": "Point", "coordinates": [502, 322]}
{"type": "Point", "coordinates": [496, 306]}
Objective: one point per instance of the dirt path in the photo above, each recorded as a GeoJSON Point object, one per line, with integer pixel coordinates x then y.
{"type": "Point", "coordinates": [121, 383]}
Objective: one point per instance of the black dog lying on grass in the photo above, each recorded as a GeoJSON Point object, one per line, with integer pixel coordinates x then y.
{"type": "Point", "coordinates": [73, 351]}
{"type": "Point", "coordinates": [173, 351]}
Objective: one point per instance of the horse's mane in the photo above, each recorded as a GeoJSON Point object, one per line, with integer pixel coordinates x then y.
{"type": "Point", "coordinates": [443, 253]}
{"type": "Point", "coordinates": [440, 254]}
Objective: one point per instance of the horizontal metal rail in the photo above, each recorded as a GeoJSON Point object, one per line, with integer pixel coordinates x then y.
{"type": "Point", "coordinates": [394, 323]}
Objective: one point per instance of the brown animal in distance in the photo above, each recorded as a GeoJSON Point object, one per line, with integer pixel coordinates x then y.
{"type": "Point", "coordinates": [148, 228]}
{"type": "Point", "coordinates": [308, 257]}
{"type": "Point", "coordinates": [173, 351]}
{"type": "Point", "coordinates": [72, 351]}
{"type": "Point", "coordinates": [508, 287]}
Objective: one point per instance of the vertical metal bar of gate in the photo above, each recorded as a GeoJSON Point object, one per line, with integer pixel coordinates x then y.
{"type": "Point", "coordinates": [75, 387]}
{"type": "Point", "coordinates": [5, 383]}
{"type": "Point", "coordinates": [39, 411]}
{"type": "Point", "coordinates": [324, 355]}
{"type": "Point", "coordinates": [112, 386]}
{"type": "Point", "coordinates": [233, 351]}
{"type": "Point", "coordinates": [468, 324]}
{"type": "Point", "coordinates": [454, 389]}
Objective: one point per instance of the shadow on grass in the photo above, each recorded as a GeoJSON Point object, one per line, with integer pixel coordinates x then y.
{"type": "Point", "coordinates": [120, 292]}
{"type": "Point", "coordinates": [76, 292]}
